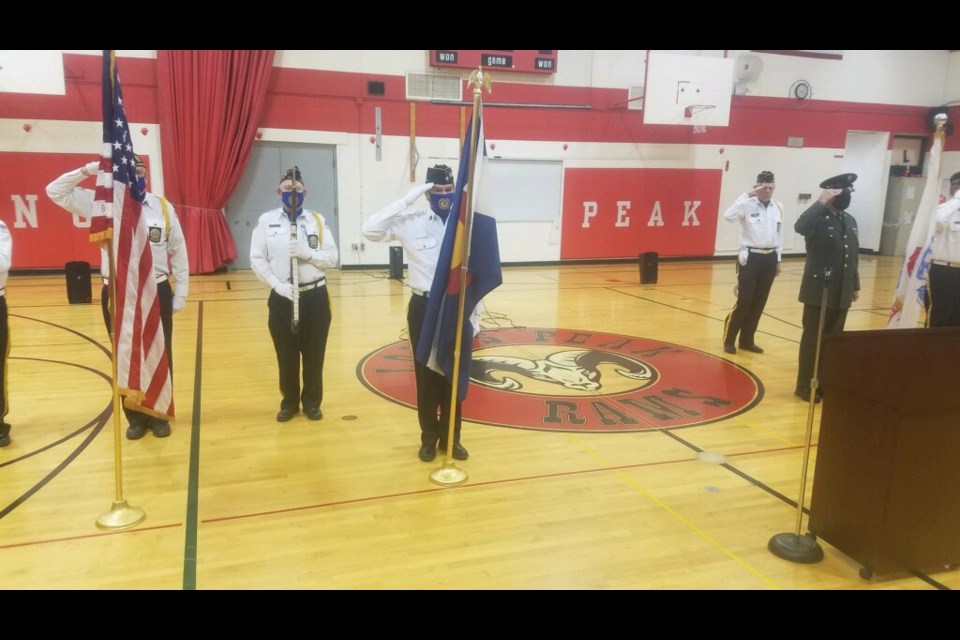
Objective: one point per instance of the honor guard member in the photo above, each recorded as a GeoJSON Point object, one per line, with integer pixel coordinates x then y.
{"type": "Point", "coordinates": [6, 258]}
{"type": "Point", "coordinates": [833, 244]}
{"type": "Point", "coordinates": [171, 267]}
{"type": "Point", "coordinates": [944, 275]}
{"type": "Point", "coordinates": [272, 250]}
{"type": "Point", "coordinates": [761, 244]}
{"type": "Point", "coordinates": [420, 232]}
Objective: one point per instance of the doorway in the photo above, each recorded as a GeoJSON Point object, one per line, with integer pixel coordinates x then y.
{"type": "Point", "coordinates": [866, 154]}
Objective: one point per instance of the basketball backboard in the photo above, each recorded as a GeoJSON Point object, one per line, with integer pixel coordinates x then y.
{"type": "Point", "coordinates": [688, 89]}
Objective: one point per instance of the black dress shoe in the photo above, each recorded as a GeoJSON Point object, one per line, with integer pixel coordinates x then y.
{"type": "Point", "coordinates": [314, 413]}
{"type": "Point", "coordinates": [160, 428]}
{"type": "Point", "coordinates": [4, 434]}
{"type": "Point", "coordinates": [285, 415]}
{"type": "Point", "coordinates": [459, 451]}
{"type": "Point", "coordinates": [427, 452]}
{"type": "Point", "coordinates": [729, 348]}
{"type": "Point", "coordinates": [751, 347]}
{"type": "Point", "coordinates": [137, 430]}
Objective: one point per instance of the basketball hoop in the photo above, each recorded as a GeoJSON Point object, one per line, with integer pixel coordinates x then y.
{"type": "Point", "coordinates": [693, 109]}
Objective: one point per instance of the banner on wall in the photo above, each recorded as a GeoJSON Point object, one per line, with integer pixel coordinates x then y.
{"type": "Point", "coordinates": [620, 213]}
{"type": "Point", "coordinates": [45, 236]}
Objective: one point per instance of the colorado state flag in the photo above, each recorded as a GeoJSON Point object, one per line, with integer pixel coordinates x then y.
{"type": "Point", "coordinates": [483, 274]}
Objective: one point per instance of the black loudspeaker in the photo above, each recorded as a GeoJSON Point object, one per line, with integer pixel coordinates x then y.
{"type": "Point", "coordinates": [396, 263]}
{"type": "Point", "coordinates": [648, 267]}
{"type": "Point", "coordinates": [78, 282]}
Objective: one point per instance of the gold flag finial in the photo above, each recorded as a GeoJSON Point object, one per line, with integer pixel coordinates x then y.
{"type": "Point", "coordinates": [480, 80]}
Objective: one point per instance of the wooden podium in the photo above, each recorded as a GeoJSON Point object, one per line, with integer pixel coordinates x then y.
{"type": "Point", "coordinates": [886, 489]}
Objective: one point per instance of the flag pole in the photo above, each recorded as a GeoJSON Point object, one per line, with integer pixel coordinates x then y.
{"type": "Point", "coordinates": [449, 474]}
{"type": "Point", "coordinates": [121, 515]}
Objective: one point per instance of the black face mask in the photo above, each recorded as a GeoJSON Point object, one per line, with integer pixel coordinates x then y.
{"type": "Point", "coordinates": [841, 201]}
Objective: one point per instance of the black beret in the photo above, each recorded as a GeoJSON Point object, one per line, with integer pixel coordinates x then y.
{"type": "Point", "coordinates": [765, 176]}
{"type": "Point", "coordinates": [440, 174]}
{"type": "Point", "coordinates": [842, 181]}
{"type": "Point", "coordinates": [955, 178]}
{"type": "Point", "coordinates": [292, 174]}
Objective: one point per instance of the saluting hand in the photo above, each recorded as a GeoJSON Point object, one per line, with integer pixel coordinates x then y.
{"type": "Point", "coordinates": [416, 192]}
{"type": "Point", "coordinates": [827, 195]}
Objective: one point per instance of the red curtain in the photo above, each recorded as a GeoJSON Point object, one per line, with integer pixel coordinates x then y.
{"type": "Point", "coordinates": [210, 104]}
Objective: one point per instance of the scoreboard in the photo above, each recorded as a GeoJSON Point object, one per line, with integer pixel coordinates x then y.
{"type": "Point", "coordinates": [527, 61]}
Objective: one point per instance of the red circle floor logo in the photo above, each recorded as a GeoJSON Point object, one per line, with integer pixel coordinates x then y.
{"type": "Point", "coordinates": [571, 380]}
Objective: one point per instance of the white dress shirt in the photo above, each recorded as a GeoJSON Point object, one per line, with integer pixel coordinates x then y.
{"type": "Point", "coordinates": [946, 242]}
{"type": "Point", "coordinates": [169, 249]}
{"type": "Point", "coordinates": [761, 226]}
{"type": "Point", "coordinates": [270, 248]}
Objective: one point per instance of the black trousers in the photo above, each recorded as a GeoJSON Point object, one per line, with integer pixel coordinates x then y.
{"type": "Point", "coordinates": [4, 352]}
{"type": "Point", "coordinates": [943, 293]}
{"type": "Point", "coordinates": [754, 281]}
{"type": "Point", "coordinates": [433, 389]}
{"type": "Point", "coordinates": [310, 342]}
{"type": "Point", "coordinates": [833, 322]}
{"type": "Point", "coordinates": [165, 296]}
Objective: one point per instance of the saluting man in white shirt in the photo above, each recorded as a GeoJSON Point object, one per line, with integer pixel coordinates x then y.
{"type": "Point", "coordinates": [761, 245]}
{"type": "Point", "coordinates": [170, 265]}
{"type": "Point", "coordinates": [420, 232]}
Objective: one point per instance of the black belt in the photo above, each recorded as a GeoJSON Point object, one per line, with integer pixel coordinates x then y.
{"type": "Point", "coordinates": [313, 285]}
{"type": "Point", "coordinates": [420, 292]}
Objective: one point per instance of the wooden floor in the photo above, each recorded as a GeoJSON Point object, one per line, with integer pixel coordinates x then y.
{"type": "Point", "coordinates": [235, 500]}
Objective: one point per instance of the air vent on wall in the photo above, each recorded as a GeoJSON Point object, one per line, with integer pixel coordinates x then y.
{"type": "Point", "coordinates": [429, 86]}
{"type": "Point", "coordinates": [376, 88]}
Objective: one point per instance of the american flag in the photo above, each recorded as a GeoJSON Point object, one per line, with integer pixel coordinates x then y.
{"type": "Point", "coordinates": [912, 286]}
{"type": "Point", "coordinates": [143, 373]}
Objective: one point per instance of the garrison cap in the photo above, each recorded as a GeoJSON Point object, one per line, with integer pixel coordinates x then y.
{"type": "Point", "coordinates": [440, 174]}
{"type": "Point", "coordinates": [765, 176]}
{"type": "Point", "coordinates": [842, 181]}
{"type": "Point", "coordinates": [292, 174]}
{"type": "Point", "coordinates": [955, 179]}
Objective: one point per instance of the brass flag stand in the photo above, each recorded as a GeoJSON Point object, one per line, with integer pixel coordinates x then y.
{"type": "Point", "coordinates": [121, 515]}
{"type": "Point", "coordinates": [449, 474]}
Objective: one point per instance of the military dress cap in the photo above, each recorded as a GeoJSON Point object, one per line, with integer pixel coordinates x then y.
{"type": "Point", "coordinates": [842, 181]}
{"type": "Point", "coordinates": [440, 174]}
{"type": "Point", "coordinates": [765, 176]}
{"type": "Point", "coordinates": [292, 174]}
{"type": "Point", "coordinates": [955, 178]}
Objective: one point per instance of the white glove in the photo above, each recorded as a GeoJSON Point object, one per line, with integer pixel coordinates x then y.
{"type": "Point", "coordinates": [91, 168]}
{"type": "Point", "coordinates": [416, 192]}
{"type": "Point", "coordinates": [284, 289]}
{"type": "Point", "coordinates": [179, 302]}
{"type": "Point", "coordinates": [298, 250]}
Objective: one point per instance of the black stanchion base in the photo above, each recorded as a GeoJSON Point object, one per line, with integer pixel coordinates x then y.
{"type": "Point", "coordinates": [801, 549]}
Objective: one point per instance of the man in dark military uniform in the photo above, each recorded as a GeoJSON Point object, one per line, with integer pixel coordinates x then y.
{"type": "Point", "coordinates": [832, 261]}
